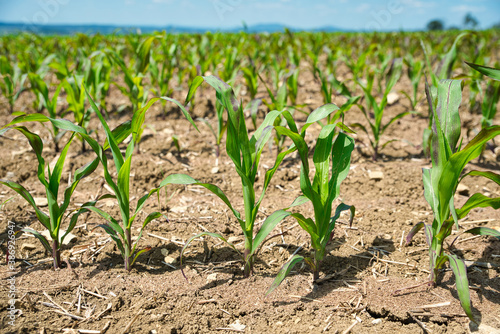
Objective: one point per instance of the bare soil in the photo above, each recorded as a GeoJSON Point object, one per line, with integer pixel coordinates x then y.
{"type": "Point", "coordinates": [366, 264]}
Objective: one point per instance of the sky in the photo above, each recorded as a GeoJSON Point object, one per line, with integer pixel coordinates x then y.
{"type": "Point", "coordinates": [222, 14]}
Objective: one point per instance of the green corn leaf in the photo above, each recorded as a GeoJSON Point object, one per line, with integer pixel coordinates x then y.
{"type": "Point", "coordinates": [321, 159]}
{"type": "Point", "coordinates": [37, 145]}
{"type": "Point", "coordinates": [299, 201]}
{"type": "Point", "coordinates": [284, 271]}
{"type": "Point", "coordinates": [117, 156]}
{"type": "Point", "coordinates": [446, 66]}
{"type": "Point", "coordinates": [55, 178]}
{"type": "Point", "coordinates": [111, 222]}
{"type": "Point", "coordinates": [460, 271]}
{"type": "Point", "coordinates": [270, 173]}
{"type": "Point", "coordinates": [395, 118]}
{"type": "Point", "coordinates": [152, 216]}
{"type": "Point", "coordinates": [72, 223]}
{"type": "Point", "coordinates": [123, 183]}
{"type": "Point", "coordinates": [308, 225]}
{"type": "Point", "coordinates": [267, 226]}
{"type": "Point", "coordinates": [40, 237]}
{"type": "Point", "coordinates": [192, 88]}
{"type": "Point", "coordinates": [484, 231]}
{"type": "Point", "coordinates": [491, 72]}
{"type": "Point", "coordinates": [184, 111]}
{"type": "Point", "coordinates": [42, 217]}
{"type": "Point", "coordinates": [341, 155]}
{"type": "Point", "coordinates": [113, 234]}
{"type": "Point", "coordinates": [414, 231]}
{"type": "Point", "coordinates": [143, 52]}
{"type": "Point", "coordinates": [187, 180]}
{"type": "Point", "coordinates": [147, 249]}
{"type": "Point", "coordinates": [319, 114]}
{"type": "Point", "coordinates": [342, 207]}
{"type": "Point", "coordinates": [478, 201]}
{"type": "Point", "coordinates": [142, 201]}
{"type": "Point", "coordinates": [303, 150]}
{"type": "Point", "coordinates": [80, 173]}
{"type": "Point", "coordinates": [457, 162]}
{"type": "Point", "coordinates": [489, 175]}
{"type": "Point", "coordinates": [449, 99]}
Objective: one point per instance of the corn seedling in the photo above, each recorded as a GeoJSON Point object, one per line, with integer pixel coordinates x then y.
{"type": "Point", "coordinates": [12, 81]}
{"type": "Point", "coordinates": [122, 233]}
{"type": "Point", "coordinates": [442, 71]}
{"type": "Point", "coordinates": [322, 192]}
{"type": "Point", "coordinates": [415, 71]}
{"type": "Point", "coordinates": [375, 122]}
{"type": "Point", "coordinates": [40, 88]}
{"type": "Point", "coordinates": [245, 152]}
{"type": "Point", "coordinates": [441, 181]}
{"type": "Point", "coordinates": [218, 133]}
{"type": "Point", "coordinates": [51, 180]}
{"type": "Point", "coordinates": [491, 94]}
{"type": "Point", "coordinates": [134, 88]}
{"type": "Point", "coordinates": [75, 96]}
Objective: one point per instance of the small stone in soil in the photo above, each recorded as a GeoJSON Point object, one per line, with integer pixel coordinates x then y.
{"type": "Point", "coordinates": [67, 239]}
{"type": "Point", "coordinates": [212, 278]}
{"type": "Point", "coordinates": [392, 98]}
{"type": "Point", "coordinates": [463, 190]}
{"type": "Point", "coordinates": [376, 175]}
{"type": "Point", "coordinates": [41, 202]}
{"type": "Point", "coordinates": [170, 260]}
{"type": "Point", "coordinates": [28, 247]}
{"type": "Point", "coordinates": [232, 240]}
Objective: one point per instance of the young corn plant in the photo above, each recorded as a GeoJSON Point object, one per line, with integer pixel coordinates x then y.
{"type": "Point", "coordinates": [491, 94]}
{"type": "Point", "coordinates": [245, 152]}
{"type": "Point", "coordinates": [121, 233]}
{"type": "Point", "coordinates": [40, 88]}
{"type": "Point", "coordinates": [375, 122]}
{"type": "Point", "coordinates": [97, 74]}
{"type": "Point", "coordinates": [331, 159]}
{"type": "Point", "coordinates": [415, 71]}
{"type": "Point", "coordinates": [134, 88]}
{"type": "Point", "coordinates": [278, 102]}
{"type": "Point", "coordinates": [51, 181]}
{"type": "Point", "coordinates": [442, 71]}
{"type": "Point", "coordinates": [75, 96]}
{"type": "Point", "coordinates": [12, 81]}
{"type": "Point", "coordinates": [219, 131]}
{"type": "Point", "coordinates": [441, 181]}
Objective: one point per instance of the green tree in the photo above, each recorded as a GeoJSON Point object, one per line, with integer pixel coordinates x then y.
{"type": "Point", "coordinates": [470, 22]}
{"type": "Point", "coordinates": [435, 25]}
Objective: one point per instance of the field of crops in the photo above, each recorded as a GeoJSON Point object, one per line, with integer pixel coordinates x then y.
{"type": "Point", "coordinates": [270, 183]}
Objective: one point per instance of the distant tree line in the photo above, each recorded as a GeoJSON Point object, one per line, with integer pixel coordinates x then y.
{"type": "Point", "coordinates": [469, 22]}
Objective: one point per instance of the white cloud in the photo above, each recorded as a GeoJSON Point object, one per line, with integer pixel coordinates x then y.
{"type": "Point", "coordinates": [421, 4]}
{"type": "Point", "coordinates": [362, 7]}
{"type": "Point", "coordinates": [467, 9]}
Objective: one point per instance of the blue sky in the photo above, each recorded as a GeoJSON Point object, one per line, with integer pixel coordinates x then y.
{"type": "Point", "coordinates": [352, 14]}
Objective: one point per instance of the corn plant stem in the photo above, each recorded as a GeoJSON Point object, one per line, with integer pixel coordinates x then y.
{"type": "Point", "coordinates": [248, 201]}
{"type": "Point", "coordinates": [433, 256]}
{"type": "Point", "coordinates": [128, 249]}
{"type": "Point", "coordinates": [56, 254]}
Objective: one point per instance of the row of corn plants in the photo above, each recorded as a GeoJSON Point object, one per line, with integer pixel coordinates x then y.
{"type": "Point", "coordinates": [331, 155]}
{"type": "Point", "coordinates": [160, 64]}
